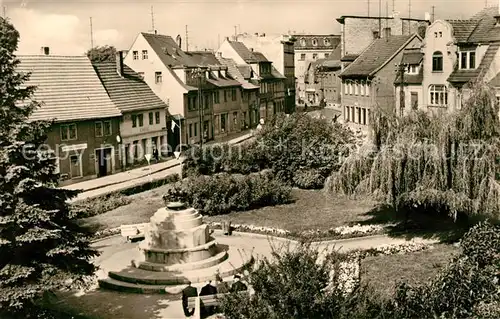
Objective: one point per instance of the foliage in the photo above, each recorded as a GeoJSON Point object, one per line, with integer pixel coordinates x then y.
{"type": "Point", "coordinates": [445, 164]}
{"type": "Point", "coordinates": [222, 193]}
{"type": "Point", "coordinates": [104, 53]}
{"type": "Point", "coordinates": [99, 205]}
{"type": "Point", "coordinates": [301, 150]}
{"type": "Point", "coordinates": [467, 288]}
{"type": "Point", "coordinates": [143, 187]}
{"type": "Point", "coordinates": [42, 247]}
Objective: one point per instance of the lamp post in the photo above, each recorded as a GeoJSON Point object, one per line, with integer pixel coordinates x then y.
{"type": "Point", "coordinates": [400, 69]}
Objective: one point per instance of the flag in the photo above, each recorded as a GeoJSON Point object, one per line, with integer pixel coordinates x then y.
{"type": "Point", "coordinates": [173, 125]}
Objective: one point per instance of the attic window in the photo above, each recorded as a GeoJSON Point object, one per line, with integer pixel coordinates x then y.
{"type": "Point", "coordinates": [314, 42]}
{"type": "Point", "coordinates": [327, 42]}
{"type": "Point", "coordinates": [303, 42]}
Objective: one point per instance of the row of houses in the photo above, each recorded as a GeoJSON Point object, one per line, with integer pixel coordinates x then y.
{"type": "Point", "coordinates": [148, 100]}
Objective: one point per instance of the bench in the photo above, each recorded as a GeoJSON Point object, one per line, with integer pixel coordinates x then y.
{"type": "Point", "coordinates": [206, 301]}
{"type": "Point", "coordinates": [133, 232]}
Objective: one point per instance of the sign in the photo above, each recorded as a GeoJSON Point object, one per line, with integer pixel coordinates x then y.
{"type": "Point", "coordinates": [74, 147]}
{"type": "Point", "coordinates": [177, 154]}
{"type": "Point", "coordinates": [173, 125]}
{"type": "Point", "coordinates": [148, 157]}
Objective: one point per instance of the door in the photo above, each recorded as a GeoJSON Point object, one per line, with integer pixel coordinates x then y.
{"type": "Point", "coordinates": [75, 166]}
{"type": "Point", "coordinates": [101, 162]}
{"type": "Point", "coordinates": [108, 160]}
{"type": "Point", "coordinates": [414, 100]}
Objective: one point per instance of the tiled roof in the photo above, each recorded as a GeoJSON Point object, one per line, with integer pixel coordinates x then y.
{"type": "Point", "coordinates": [332, 64]}
{"type": "Point", "coordinates": [377, 53]}
{"type": "Point", "coordinates": [349, 57]}
{"type": "Point", "coordinates": [495, 82]}
{"type": "Point", "coordinates": [243, 51]}
{"type": "Point", "coordinates": [235, 73]}
{"type": "Point", "coordinates": [464, 76]}
{"type": "Point", "coordinates": [129, 92]}
{"type": "Point", "coordinates": [336, 54]}
{"type": "Point", "coordinates": [412, 56]}
{"type": "Point", "coordinates": [486, 29]}
{"type": "Point", "coordinates": [69, 88]}
{"type": "Point", "coordinates": [206, 58]}
{"type": "Point", "coordinates": [462, 29]}
{"type": "Point", "coordinates": [305, 41]}
{"type": "Point", "coordinates": [411, 78]}
{"type": "Point", "coordinates": [168, 51]}
{"type": "Point", "coordinates": [260, 57]}
{"type": "Point", "coordinates": [245, 70]}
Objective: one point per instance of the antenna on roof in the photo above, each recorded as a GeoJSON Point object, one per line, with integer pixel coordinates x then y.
{"type": "Point", "coordinates": [379, 18]}
{"type": "Point", "coordinates": [91, 35]}
{"type": "Point", "coordinates": [4, 8]}
{"type": "Point", "coordinates": [393, 6]}
{"type": "Point", "coordinates": [368, 7]}
{"type": "Point", "coordinates": [187, 43]}
{"type": "Point", "coordinates": [152, 19]}
{"type": "Point", "coordinates": [433, 14]}
{"type": "Point", "coordinates": [409, 9]}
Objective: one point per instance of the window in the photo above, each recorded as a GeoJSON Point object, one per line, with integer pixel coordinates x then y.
{"type": "Point", "coordinates": [414, 100]}
{"type": "Point", "coordinates": [362, 89]}
{"type": "Point", "coordinates": [303, 42]}
{"type": "Point", "coordinates": [140, 117]}
{"type": "Point", "coordinates": [158, 77]}
{"type": "Point", "coordinates": [356, 88]}
{"type": "Point", "coordinates": [223, 123]}
{"type": "Point", "coordinates": [68, 132]}
{"type": "Point", "coordinates": [217, 124]}
{"type": "Point", "coordinates": [302, 56]}
{"type": "Point", "coordinates": [107, 128]}
{"type": "Point", "coordinates": [440, 34]}
{"type": "Point", "coordinates": [467, 59]}
{"type": "Point", "coordinates": [98, 129]}
{"type": "Point", "coordinates": [314, 42]}
{"type": "Point", "coordinates": [157, 117]}
{"type": "Point", "coordinates": [144, 54]}
{"type": "Point", "coordinates": [438, 95]}
{"type": "Point", "coordinates": [190, 130]}
{"type": "Point", "coordinates": [346, 88]}
{"type": "Point", "coordinates": [364, 116]}
{"type": "Point", "coordinates": [233, 94]}
{"type": "Point", "coordinates": [498, 100]}
{"type": "Point", "coordinates": [151, 119]}
{"type": "Point", "coordinates": [195, 129]}
{"type": "Point", "coordinates": [235, 119]}
{"type": "Point", "coordinates": [367, 89]}
{"type": "Point", "coordinates": [326, 42]}
{"type": "Point", "coordinates": [346, 115]}
{"type": "Point", "coordinates": [134, 120]}
{"type": "Point", "coordinates": [327, 55]}
{"type": "Point", "coordinates": [225, 96]}
{"type": "Point", "coordinates": [205, 97]}
{"type": "Point", "coordinates": [315, 56]}
{"type": "Point", "coordinates": [437, 62]}
{"type": "Point", "coordinates": [412, 69]}
{"type": "Point", "coordinates": [350, 88]}
{"type": "Point", "coordinates": [216, 97]}
{"type": "Point", "coordinates": [135, 55]}
{"type": "Point", "coordinates": [376, 35]}
{"type": "Point", "coordinates": [141, 75]}
{"type": "Point", "coordinates": [435, 34]}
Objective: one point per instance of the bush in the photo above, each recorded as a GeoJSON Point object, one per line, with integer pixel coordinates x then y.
{"type": "Point", "coordinates": [99, 205]}
{"type": "Point", "coordinates": [298, 148]}
{"type": "Point", "coordinates": [222, 193]}
{"type": "Point", "coordinates": [146, 186]}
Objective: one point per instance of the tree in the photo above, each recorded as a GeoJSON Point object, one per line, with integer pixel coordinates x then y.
{"type": "Point", "coordinates": [42, 249]}
{"type": "Point", "coordinates": [102, 53]}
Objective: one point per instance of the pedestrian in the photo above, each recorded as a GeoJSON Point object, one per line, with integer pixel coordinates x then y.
{"type": "Point", "coordinates": [305, 107]}
{"type": "Point", "coordinates": [206, 290]}
{"type": "Point", "coordinates": [188, 292]}
{"type": "Point", "coordinates": [238, 285]}
{"type": "Point", "coordinates": [222, 287]}
{"type": "Point", "coordinates": [155, 154]}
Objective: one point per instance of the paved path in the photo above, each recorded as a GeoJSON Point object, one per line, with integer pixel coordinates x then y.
{"type": "Point", "coordinates": [110, 304]}
{"type": "Point", "coordinates": [115, 182]}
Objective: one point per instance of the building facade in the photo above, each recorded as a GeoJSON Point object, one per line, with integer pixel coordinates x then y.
{"type": "Point", "coordinates": [280, 50]}
{"type": "Point", "coordinates": [84, 137]}
{"type": "Point", "coordinates": [409, 78]}
{"type": "Point", "coordinates": [369, 80]}
{"type": "Point", "coordinates": [143, 126]}
{"type": "Point", "coordinates": [309, 48]}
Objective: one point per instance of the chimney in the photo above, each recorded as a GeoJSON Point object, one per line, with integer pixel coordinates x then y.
{"type": "Point", "coordinates": [251, 49]}
{"type": "Point", "coordinates": [156, 31]}
{"type": "Point", "coordinates": [178, 39]}
{"type": "Point", "coordinates": [45, 50]}
{"type": "Point", "coordinates": [256, 34]}
{"type": "Point", "coordinates": [387, 32]}
{"type": "Point", "coordinates": [119, 63]}
{"type": "Point", "coordinates": [497, 17]}
{"type": "Point", "coordinates": [218, 54]}
{"type": "Point", "coordinates": [427, 17]}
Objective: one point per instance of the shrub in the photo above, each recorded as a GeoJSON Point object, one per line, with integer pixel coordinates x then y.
{"type": "Point", "coordinates": [146, 186]}
{"type": "Point", "coordinates": [99, 205]}
{"type": "Point", "coordinates": [309, 179]}
{"type": "Point", "coordinates": [222, 193]}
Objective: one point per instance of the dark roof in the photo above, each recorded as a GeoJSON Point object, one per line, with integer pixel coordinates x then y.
{"type": "Point", "coordinates": [235, 73]}
{"type": "Point", "coordinates": [168, 51]}
{"type": "Point", "coordinates": [341, 20]}
{"type": "Point", "coordinates": [129, 92]}
{"type": "Point", "coordinates": [323, 42]}
{"type": "Point", "coordinates": [203, 58]}
{"type": "Point", "coordinates": [260, 57]}
{"type": "Point", "coordinates": [68, 87]}
{"type": "Point", "coordinates": [336, 54]}
{"type": "Point", "coordinates": [412, 56]}
{"type": "Point", "coordinates": [411, 78]}
{"type": "Point", "coordinates": [464, 76]}
{"type": "Point", "coordinates": [243, 51]}
{"type": "Point", "coordinates": [495, 82]}
{"type": "Point", "coordinates": [486, 29]}
{"type": "Point", "coordinates": [462, 29]}
{"type": "Point", "coordinates": [349, 57]}
{"type": "Point", "coordinates": [376, 55]}
{"type": "Point", "coordinates": [245, 70]}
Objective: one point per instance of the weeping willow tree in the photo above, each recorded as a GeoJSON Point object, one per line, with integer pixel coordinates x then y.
{"type": "Point", "coordinates": [445, 163]}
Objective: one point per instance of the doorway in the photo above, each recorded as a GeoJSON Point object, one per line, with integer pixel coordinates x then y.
{"type": "Point", "coordinates": [103, 157]}
{"type": "Point", "coordinates": [75, 166]}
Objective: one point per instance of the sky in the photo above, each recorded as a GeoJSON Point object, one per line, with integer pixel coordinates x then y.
{"type": "Point", "coordinates": [64, 25]}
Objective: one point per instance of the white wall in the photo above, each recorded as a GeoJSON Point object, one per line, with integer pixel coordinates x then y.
{"type": "Point", "coordinates": [170, 90]}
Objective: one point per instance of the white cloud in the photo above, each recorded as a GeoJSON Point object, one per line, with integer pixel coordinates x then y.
{"type": "Point", "coordinates": [64, 34]}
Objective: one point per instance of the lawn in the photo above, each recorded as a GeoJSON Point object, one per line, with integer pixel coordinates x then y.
{"type": "Point", "coordinates": [384, 272]}
{"type": "Point", "coordinates": [312, 209]}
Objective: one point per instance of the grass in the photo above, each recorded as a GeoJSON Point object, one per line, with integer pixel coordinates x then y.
{"type": "Point", "coordinates": [312, 209]}
{"type": "Point", "coordinates": [384, 272]}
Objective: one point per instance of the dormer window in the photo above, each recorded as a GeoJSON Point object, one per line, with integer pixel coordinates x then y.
{"type": "Point", "coordinates": [327, 42]}
{"type": "Point", "coordinates": [314, 42]}
{"type": "Point", "coordinates": [467, 59]}
{"type": "Point", "coordinates": [412, 69]}
{"type": "Point", "coordinates": [303, 42]}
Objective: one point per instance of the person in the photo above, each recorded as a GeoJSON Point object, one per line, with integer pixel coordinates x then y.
{"type": "Point", "coordinates": [206, 290]}
{"type": "Point", "coordinates": [155, 154]}
{"type": "Point", "coordinates": [221, 285]}
{"type": "Point", "coordinates": [188, 292]}
{"type": "Point", "coordinates": [305, 107]}
{"type": "Point", "coordinates": [238, 285]}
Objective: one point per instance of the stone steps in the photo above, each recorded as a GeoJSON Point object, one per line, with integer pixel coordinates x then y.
{"type": "Point", "coordinates": [136, 280]}
{"type": "Point", "coordinates": [206, 263]}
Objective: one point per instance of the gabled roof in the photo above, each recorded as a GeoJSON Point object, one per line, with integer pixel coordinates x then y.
{"type": "Point", "coordinates": [168, 51]}
{"type": "Point", "coordinates": [462, 29]}
{"type": "Point", "coordinates": [486, 29]}
{"type": "Point", "coordinates": [260, 57]}
{"type": "Point", "coordinates": [464, 76]}
{"type": "Point", "coordinates": [235, 73]}
{"type": "Point", "coordinates": [411, 78]}
{"type": "Point", "coordinates": [69, 88]}
{"type": "Point", "coordinates": [495, 82]}
{"type": "Point", "coordinates": [243, 51]}
{"type": "Point", "coordinates": [129, 92]}
{"type": "Point", "coordinates": [245, 70]}
{"type": "Point", "coordinates": [412, 56]}
{"type": "Point", "coordinates": [206, 58]}
{"type": "Point", "coordinates": [349, 57]}
{"type": "Point", "coordinates": [378, 53]}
